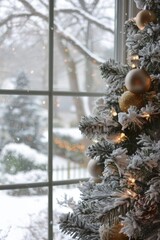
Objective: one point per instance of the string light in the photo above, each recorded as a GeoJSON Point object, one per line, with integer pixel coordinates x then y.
{"type": "Point", "coordinates": [133, 66]}
{"type": "Point", "coordinates": [68, 146]}
{"type": "Point", "coordinates": [122, 137]}
{"type": "Point", "coordinates": [133, 61]}
{"type": "Point", "coordinates": [131, 193]}
{"type": "Point", "coordinates": [135, 57]}
{"type": "Point", "coordinates": [113, 112]}
{"type": "Point", "coordinates": [131, 180]}
{"type": "Point", "coordinates": [57, 104]}
{"type": "Point", "coordinates": [146, 115]}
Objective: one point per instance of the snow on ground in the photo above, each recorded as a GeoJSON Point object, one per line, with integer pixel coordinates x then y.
{"type": "Point", "coordinates": [17, 213]}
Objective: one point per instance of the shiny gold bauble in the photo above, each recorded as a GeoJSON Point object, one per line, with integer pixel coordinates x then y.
{"type": "Point", "coordinates": [144, 17]}
{"type": "Point", "coordinates": [138, 81]}
{"type": "Point", "coordinates": [95, 168]}
{"type": "Point", "coordinates": [129, 99]}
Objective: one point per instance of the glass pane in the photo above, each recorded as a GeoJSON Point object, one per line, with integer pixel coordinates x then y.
{"type": "Point", "coordinates": [69, 145]}
{"type": "Point", "coordinates": [62, 194]}
{"type": "Point", "coordinates": [24, 214]}
{"type": "Point", "coordinates": [23, 144]}
{"type": "Point", "coordinates": [24, 43]}
{"type": "Point", "coordinates": [83, 39]}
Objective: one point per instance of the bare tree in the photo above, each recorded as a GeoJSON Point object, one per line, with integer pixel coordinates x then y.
{"type": "Point", "coordinates": [77, 25]}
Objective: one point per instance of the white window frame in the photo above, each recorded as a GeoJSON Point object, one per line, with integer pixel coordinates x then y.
{"type": "Point", "coordinates": [122, 7]}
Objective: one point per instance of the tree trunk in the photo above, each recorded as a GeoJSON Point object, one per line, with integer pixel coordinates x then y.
{"type": "Point", "coordinates": [73, 78]}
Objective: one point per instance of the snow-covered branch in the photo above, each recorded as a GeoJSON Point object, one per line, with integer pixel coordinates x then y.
{"type": "Point", "coordinates": [85, 51]}
{"type": "Point", "coordinates": [86, 15]}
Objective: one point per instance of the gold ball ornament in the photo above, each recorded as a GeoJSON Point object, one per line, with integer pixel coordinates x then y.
{"type": "Point", "coordinates": [112, 233]}
{"type": "Point", "coordinates": [138, 81]}
{"type": "Point", "coordinates": [129, 99]}
{"type": "Point", "coordinates": [144, 17]}
{"type": "Point", "coordinates": [96, 179]}
{"type": "Point", "coordinates": [95, 168]}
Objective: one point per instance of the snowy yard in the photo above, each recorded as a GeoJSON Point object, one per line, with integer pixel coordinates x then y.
{"type": "Point", "coordinates": [25, 218]}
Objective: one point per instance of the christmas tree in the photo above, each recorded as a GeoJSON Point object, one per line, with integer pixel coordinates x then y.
{"type": "Point", "coordinates": [121, 200]}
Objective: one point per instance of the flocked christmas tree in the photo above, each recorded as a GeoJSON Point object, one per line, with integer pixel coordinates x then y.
{"type": "Point", "coordinates": [122, 198]}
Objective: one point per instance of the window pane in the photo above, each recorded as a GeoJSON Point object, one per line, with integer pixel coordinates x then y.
{"type": "Point", "coordinates": [24, 43]}
{"type": "Point", "coordinates": [60, 195]}
{"type": "Point", "coordinates": [23, 123]}
{"type": "Point", "coordinates": [84, 38]}
{"type": "Point", "coordinates": [69, 145]}
{"type": "Point", "coordinates": [24, 214]}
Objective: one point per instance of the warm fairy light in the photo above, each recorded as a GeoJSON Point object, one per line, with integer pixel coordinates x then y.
{"type": "Point", "coordinates": [95, 140]}
{"type": "Point", "coordinates": [57, 104]}
{"type": "Point", "coordinates": [146, 115]}
{"type": "Point", "coordinates": [68, 146]}
{"type": "Point", "coordinates": [122, 137]}
{"type": "Point", "coordinates": [131, 180]}
{"type": "Point", "coordinates": [131, 193]}
{"type": "Point", "coordinates": [113, 112]}
{"type": "Point", "coordinates": [135, 57]}
{"type": "Point", "coordinates": [133, 61]}
{"type": "Point", "coordinates": [133, 66]}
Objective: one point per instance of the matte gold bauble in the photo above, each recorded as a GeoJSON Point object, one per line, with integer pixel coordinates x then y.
{"type": "Point", "coordinates": [113, 233]}
{"type": "Point", "coordinates": [129, 99]}
{"type": "Point", "coordinates": [95, 168]}
{"type": "Point", "coordinates": [96, 179]}
{"type": "Point", "coordinates": [144, 17]}
{"type": "Point", "coordinates": [138, 81]}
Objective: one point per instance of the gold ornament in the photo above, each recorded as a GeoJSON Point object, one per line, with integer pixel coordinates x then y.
{"type": "Point", "coordinates": [129, 99]}
{"type": "Point", "coordinates": [96, 179]}
{"type": "Point", "coordinates": [112, 233]}
{"type": "Point", "coordinates": [138, 81]}
{"type": "Point", "coordinates": [95, 168]}
{"type": "Point", "coordinates": [144, 17]}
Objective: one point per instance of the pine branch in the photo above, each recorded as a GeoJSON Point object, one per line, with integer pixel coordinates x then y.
{"type": "Point", "coordinates": [113, 215]}
{"type": "Point", "coordinates": [101, 150]}
{"type": "Point", "coordinates": [110, 69]}
{"type": "Point", "coordinates": [93, 127]}
{"type": "Point", "coordinates": [76, 227]}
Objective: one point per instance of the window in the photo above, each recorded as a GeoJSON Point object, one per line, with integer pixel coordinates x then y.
{"type": "Point", "coordinates": [50, 78]}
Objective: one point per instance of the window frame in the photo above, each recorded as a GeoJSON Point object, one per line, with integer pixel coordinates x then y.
{"type": "Point", "coordinates": [121, 9]}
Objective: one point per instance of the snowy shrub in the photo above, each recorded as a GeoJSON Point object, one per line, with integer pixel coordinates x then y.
{"type": "Point", "coordinates": [26, 177]}
{"type": "Point", "coordinates": [21, 158]}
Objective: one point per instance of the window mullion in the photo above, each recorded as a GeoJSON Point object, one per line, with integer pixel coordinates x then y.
{"type": "Point", "coordinates": [50, 123]}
